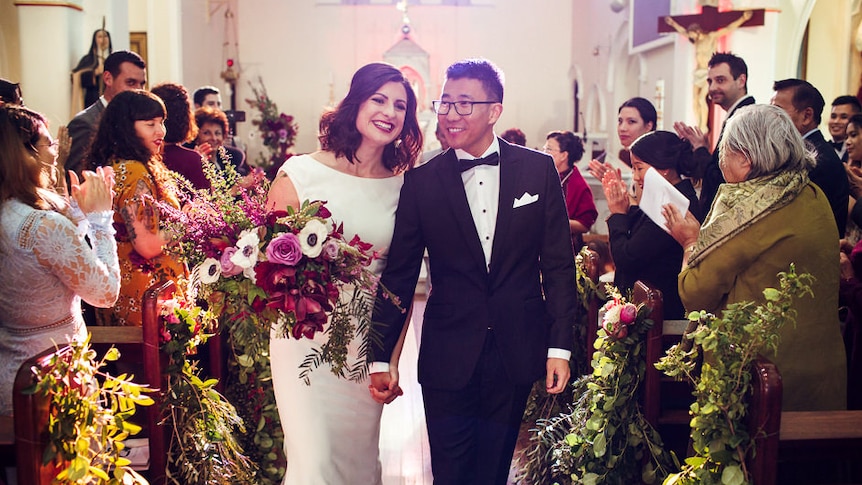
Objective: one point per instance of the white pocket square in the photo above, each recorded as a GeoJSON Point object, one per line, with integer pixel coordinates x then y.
{"type": "Point", "coordinates": [525, 199]}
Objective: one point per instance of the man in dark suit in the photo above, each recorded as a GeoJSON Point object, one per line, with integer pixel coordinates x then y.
{"type": "Point", "coordinates": [727, 78]}
{"type": "Point", "coordinates": [500, 314]}
{"type": "Point", "coordinates": [804, 104]}
{"type": "Point", "coordinates": [843, 107]}
{"type": "Point", "coordinates": [124, 71]}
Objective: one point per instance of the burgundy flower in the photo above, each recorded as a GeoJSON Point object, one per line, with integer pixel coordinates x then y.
{"type": "Point", "coordinates": [274, 278]}
{"type": "Point", "coordinates": [359, 243]}
{"type": "Point", "coordinates": [306, 329]}
{"type": "Point", "coordinates": [617, 331]}
{"type": "Point", "coordinates": [258, 305]}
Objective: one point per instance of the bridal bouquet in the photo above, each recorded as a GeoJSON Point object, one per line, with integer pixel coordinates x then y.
{"type": "Point", "coordinates": [285, 268]}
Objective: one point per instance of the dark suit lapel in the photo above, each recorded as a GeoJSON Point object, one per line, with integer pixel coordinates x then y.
{"type": "Point", "coordinates": [453, 186]}
{"type": "Point", "coordinates": [509, 175]}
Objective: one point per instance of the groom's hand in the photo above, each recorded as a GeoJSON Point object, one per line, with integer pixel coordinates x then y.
{"type": "Point", "coordinates": [384, 389]}
{"type": "Point", "coordinates": [558, 375]}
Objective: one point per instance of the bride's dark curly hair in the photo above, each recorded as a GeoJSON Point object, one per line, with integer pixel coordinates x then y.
{"type": "Point", "coordinates": [116, 138]}
{"type": "Point", "coordinates": [338, 131]}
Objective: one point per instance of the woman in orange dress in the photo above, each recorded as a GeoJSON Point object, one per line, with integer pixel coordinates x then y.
{"type": "Point", "coordinates": [129, 139]}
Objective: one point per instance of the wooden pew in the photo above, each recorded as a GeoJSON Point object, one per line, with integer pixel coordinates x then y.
{"type": "Point", "coordinates": [643, 293]}
{"type": "Point", "coordinates": [140, 345]}
{"type": "Point", "coordinates": [763, 421]}
{"type": "Point", "coordinates": [665, 400]}
{"type": "Point", "coordinates": [31, 423]}
{"type": "Point", "coordinates": [591, 266]}
{"type": "Point", "coordinates": [817, 437]}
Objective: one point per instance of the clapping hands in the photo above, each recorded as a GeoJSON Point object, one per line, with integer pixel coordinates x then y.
{"type": "Point", "coordinates": [96, 192]}
{"type": "Point", "coordinates": [693, 134]}
{"type": "Point", "coordinates": [615, 190]}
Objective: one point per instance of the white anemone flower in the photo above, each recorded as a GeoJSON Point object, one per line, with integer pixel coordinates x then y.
{"type": "Point", "coordinates": [209, 271]}
{"type": "Point", "coordinates": [247, 250]}
{"type": "Point", "coordinates": [312, 237]}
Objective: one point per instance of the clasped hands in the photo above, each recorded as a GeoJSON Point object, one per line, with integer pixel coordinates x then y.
{"type": "Point", "coordinates": [384, 386]}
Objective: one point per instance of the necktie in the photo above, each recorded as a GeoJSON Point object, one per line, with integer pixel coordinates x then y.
{"type": "Point", "coordinates": [492, 159]}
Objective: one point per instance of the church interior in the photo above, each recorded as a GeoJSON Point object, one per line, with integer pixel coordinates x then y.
{"type": "Point", "coordinates": [568, 65]}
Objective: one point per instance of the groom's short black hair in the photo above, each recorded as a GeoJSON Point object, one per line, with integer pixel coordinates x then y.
{"type": "Point", "coordinates": [483, 71]}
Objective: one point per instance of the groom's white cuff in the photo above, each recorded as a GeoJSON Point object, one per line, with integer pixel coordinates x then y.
{"type": "Point", "coordinates": [378, 367]}
{"type": "Point", "coordinates": [559, 354]}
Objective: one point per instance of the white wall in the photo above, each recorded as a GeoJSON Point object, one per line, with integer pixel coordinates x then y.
{"type": "Point", "coordinates": [298, 47]}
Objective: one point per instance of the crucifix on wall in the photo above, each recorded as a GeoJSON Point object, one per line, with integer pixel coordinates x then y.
{"type": "Point", "coordinates": [703, 31]}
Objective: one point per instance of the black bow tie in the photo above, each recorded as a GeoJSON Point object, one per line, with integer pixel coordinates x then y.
{"type": "Point", "coordinates": [838, 145]}
{"type": "Point", "coordinates": [492, 159]}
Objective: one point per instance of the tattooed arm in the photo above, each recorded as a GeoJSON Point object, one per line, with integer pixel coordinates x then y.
{"type": "Point", "coordinates": [141, 219]}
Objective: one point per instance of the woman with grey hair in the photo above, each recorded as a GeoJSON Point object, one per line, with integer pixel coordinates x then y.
{"type": "Point", "coordinates": [767, 216]}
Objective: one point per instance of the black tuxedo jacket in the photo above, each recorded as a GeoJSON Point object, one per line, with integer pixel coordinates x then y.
{"type": "Point", "coordinates": [527, 297]}
{"type": "Point", "coordinates": [830, 176]}
{"type": "Point", "coordinates": [712, 176]}
{"type": "Point", "coordinates": [82, 129]}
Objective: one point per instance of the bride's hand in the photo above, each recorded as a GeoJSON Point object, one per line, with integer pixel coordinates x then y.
{"type": "Point", "coordinates": [384, 386]}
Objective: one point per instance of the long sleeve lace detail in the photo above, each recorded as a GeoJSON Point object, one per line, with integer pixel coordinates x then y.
{"type": "Point", "coordinates": [92, 273]}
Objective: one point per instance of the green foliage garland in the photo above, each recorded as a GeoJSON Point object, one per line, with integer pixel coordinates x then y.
{"type": "Point", "coordinates": [88, 421]}
{"type": "Point", "coordinates": [203, 448]}
{"type": "Point", "coordinates": [249, 384]}
{"type": "Point", "coordinates": [720, 438]}
{"type": "Point", "coordinates": [605, 439]}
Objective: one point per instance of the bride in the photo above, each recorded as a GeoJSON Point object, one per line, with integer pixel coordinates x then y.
{"type": "Point", "coordinates": [332, 427]}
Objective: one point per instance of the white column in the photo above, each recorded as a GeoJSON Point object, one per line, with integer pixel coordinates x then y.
{"type": "Point", "coordinates": [47, 30]}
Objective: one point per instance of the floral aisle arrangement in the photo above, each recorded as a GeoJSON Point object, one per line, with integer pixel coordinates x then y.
{"type": "Point", "coordinates": [203, 448]}
{"type": "Point", "coordinates": [261, 270]}
{"type": "Point", "coordinates": [277, 130]}
{"type": "Point", "coordinates": [88, 416]}
{"type": "Point", "coordinates": [719, 434]}
{"type": "Point", "coordinates": [605, 439]}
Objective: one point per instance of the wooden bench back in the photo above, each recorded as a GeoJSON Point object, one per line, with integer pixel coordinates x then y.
{"type": "Point", "coordinates": [31, 422]}
{"type": "Point", "coordinates": [591, 266]}
{"type": "Point", "coordinates": [764, 421]}
{"type": "Point", "coordinates": [137, 345]}
{"type": "Point", "coordinates": [644, 293]}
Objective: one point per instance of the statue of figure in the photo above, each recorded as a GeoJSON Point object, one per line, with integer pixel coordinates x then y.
{"type": "Point", "coordinates": [704, 47]}
{"type": "Point", "coordinates": [87, 83]}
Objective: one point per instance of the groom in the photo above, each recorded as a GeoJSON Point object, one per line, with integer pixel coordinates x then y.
{"type": "Point", "coordinates": [502, 305]}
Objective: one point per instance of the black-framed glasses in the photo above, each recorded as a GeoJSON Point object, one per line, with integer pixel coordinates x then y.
{"type": "Point", "coordinates": [463, 108]}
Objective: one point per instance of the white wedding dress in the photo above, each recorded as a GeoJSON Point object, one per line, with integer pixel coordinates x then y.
{"type": "Point", "coordinates": [332, 427]}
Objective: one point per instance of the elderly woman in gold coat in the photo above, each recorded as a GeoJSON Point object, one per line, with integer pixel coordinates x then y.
{"type": "Point", "coordinates": [767, 216]}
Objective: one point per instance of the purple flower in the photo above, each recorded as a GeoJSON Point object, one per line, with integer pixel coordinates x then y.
{"type": "Point", "coordinates": [284, 249]}
{"type": "Point", "coordinates": [331, 250]}
{"type": "Point", "coordinates": [227, 266]}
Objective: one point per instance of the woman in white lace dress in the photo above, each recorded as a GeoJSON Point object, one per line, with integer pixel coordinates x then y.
{"type": "Point", "coordinates": [332, 427]}
{"type": "Point", "coordinates": [46, 264]}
